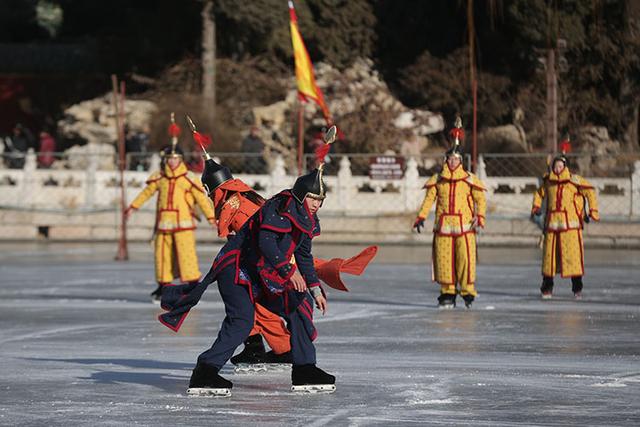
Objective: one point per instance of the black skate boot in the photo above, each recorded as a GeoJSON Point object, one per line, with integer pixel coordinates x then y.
{"type": "Point", "coordinates": [156, 296]}
{"type": "Point", "coordinates": [278, 362]}
{"type": "Point", "coordinates": [576, 287]}
{"type": "Point", "coordinates": [205, 381]}
{"type": "Point", "coordinates": [253, 357]}
{"type": "Point", "coordinates": [279, 358]}
{"type": "Point", "coordinates": [546, 289]}
{"type": "Point", "coordinates": [310, 379]}
{"type": "Point", "coordinates": [446, 301]}
{"type": "Point", "coordinates": [468, 300]}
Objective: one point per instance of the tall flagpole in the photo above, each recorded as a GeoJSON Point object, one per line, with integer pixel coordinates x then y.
{"type": "Point", "coordinates": [118, 103]}
{"type": "Point", "coordinates": [307, 87]}
{"type": "Point", "coordinates": [300, 135]}
{"type": "Point", "coordinates": [474, 84]}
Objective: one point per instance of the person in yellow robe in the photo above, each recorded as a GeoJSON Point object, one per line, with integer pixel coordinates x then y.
{"type": "Point", "coordinates": [178, 193]}
{"type": "Point", "coordinates": [566, 212]}
{"type": "Point", "coordinates": [460, 210]}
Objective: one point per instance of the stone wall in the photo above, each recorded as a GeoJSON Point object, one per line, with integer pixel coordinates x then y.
{"type": "Point", "coordinates": [83, 205]}
{"type": "Point", "coordinates": [383, 229]}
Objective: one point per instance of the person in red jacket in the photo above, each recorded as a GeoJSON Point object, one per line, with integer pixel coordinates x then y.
{"type": "Point", "coordinates": [234, 203]}
{"type": "Point", "coordinates": [45, 150]}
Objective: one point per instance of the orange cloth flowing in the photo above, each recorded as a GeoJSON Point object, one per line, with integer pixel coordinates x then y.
{"type": "Point", "coordinates": [307, 88]}
{"type": "Point", "coordinates": [329, 271]}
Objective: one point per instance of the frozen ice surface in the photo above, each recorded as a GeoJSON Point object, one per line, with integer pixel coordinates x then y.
{"type": "Point", "coordinates": [81, 345]}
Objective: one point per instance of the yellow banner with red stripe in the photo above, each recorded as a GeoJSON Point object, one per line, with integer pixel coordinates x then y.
{"type": "Point", "coordinates": [307, 88]}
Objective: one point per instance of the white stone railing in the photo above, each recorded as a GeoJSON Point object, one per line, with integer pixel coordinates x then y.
{"type": "Point", "coordinates": [88, 190]}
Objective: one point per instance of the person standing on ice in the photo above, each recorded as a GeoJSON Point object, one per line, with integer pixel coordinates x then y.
{"type": "Point", "coordinates": [460, 210]}
{"type": "Point", "coordinates": [234, 203]}
{"type": "Point", "coordinates": [178, 191]}
{"type": "Point", "coordinates": [255, 266]}
{"type": "Point", "coordinates": [566, 213]}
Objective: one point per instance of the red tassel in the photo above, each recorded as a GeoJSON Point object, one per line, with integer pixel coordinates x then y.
{"type": "Point", "coordinates": [321, 153]}
{"type": "Point", "coordinates": [457, 132]}
{"type": "Point", "coordinates": [174, 130]}
{"type": "Point", "coordinates": [203, 140]}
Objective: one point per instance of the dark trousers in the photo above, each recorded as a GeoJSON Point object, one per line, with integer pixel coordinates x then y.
{"type": "Point", "coordinates": [303, 352]}
{"type": "Point", "coordinates": [237, 323]}
{"type": "Point", "coordinates": [547, 284]}
{"type": "Point", "coordinates": [239, 319]}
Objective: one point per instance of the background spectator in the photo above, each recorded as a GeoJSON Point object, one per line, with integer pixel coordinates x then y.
{"type": "Point", "coordinates": [46, 150]}
{"type": "Point", "coordinates": [254, 146]}
{"type": "Point", "coordinates": [16, 146]}
{"type": "Point", "coordinates": [136, 147]}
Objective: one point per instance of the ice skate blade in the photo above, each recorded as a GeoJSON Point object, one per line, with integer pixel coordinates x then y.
{"type": "Point", "coordinates": [248, 368]}
{"type": "Point", "coordinates": [209, 392]}
{"type": "Point", "coordinates": [446, 307]}
{"type": "Point", "coordinates": [314, 388]}
{"type": "Point", "coordinates": [546, 296]}
{"type": "Point", "coordinates": [278, 367]}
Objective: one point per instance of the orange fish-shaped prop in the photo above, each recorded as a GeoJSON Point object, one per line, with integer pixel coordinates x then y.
{"type": "Point", "coordinates": [329, 271]}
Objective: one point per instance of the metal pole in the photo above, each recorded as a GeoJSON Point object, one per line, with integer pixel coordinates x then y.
{"type": "Point", "coordinates": [300, 136]}
{"type": "Point", "coordinates": [474, 83]}
{"type": "Point", "coordinates": [552, 102]}
{"type": "Point", "coordinates": [123, 253]}
{"type": "Point", "coordinates": [208, 62]}
{"type": "Point", "coordinates": [474, 159]}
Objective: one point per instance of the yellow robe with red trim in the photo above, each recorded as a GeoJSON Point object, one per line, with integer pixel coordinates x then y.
{"type": "Point", "coordinates": [178, 193]}
{"type": "Point", "coordinates": [459, 198]}
{"type": "Point", "coordinates": [563, 249]}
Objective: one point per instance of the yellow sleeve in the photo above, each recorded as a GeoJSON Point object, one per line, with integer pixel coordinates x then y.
{"type": "Point", "coordinates": [481, 201]}
{"type": "Point", "coordinates": [538, 197]}
{"type": "Point", "coordinates": [589, 192]}
{"type": "Point", "coordinates": [202, 200]}
{"type": "Point", "coordinates": [147, 192]}
{"type": "Point", "coordinates": [429, 198]}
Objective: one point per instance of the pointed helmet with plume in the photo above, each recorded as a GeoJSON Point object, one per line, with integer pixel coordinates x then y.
{"type": "Point", "coordinates": [457, 135]}
{"type": "Point", "coordinates": [214, 174]}
{"type": "Point", "coordinates": [565, 148]}
{"type": "Point", "coordinates": [174, 132]}
{"type": "Point", "coordinates": [311, 184]}
{"type": "Point", "coordinates": [561, 157]}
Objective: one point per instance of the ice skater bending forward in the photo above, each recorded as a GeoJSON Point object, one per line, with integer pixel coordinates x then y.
{"type": "Point", "coordinates": [235, 202]}
{"type": "Point", "coordinates": [255, 266]}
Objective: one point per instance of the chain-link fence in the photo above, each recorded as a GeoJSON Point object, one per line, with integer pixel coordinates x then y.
{"type": "Point", "coordinates": [242, 163]}
{"type": "Point", "coordinates": [357, 183]}
{"type": "Point", "coordinates": [513, 178]}
{"type": "Point", "coordinates": [362, 164]}
{"type": "Point", "coordinates": [90, 182]}
{"type": "Point", "coordinates": [59, 161]}
{"type": "Point", "coordinates": [536, 164]}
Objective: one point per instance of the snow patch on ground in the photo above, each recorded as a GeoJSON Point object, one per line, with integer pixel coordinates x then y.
{"type": "Point", "coordinates": [614, 384]}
